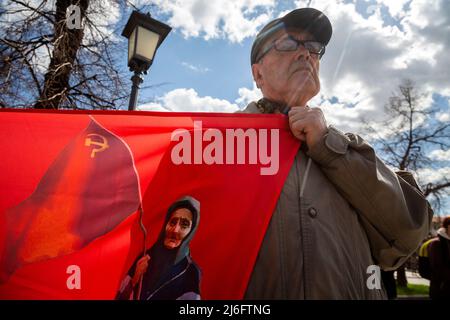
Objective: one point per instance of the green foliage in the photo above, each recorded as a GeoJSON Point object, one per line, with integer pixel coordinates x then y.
{"type": "Point", "coordinates": [413, 290]}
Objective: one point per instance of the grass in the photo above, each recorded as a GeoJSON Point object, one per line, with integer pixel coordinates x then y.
{"type": "Point", "coordinates": [413, 290]}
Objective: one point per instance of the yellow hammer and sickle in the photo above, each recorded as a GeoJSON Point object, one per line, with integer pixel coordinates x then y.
{"type": "Point", "coordinates": [90, 142]}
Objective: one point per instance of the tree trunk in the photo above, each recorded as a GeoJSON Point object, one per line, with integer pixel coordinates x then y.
{"type": "Point", "coordinates": [66, 43]}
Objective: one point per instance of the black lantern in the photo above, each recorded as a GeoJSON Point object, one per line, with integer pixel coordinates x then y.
{"type": "Point", "coordinates": [144, 35]}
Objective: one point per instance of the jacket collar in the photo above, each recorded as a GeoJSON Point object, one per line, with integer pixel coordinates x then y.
{"type": "Point", "coordinates": [266, 106]}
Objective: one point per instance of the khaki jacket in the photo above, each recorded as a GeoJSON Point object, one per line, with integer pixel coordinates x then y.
{"type": "Point", "coordinates": [352, 212]}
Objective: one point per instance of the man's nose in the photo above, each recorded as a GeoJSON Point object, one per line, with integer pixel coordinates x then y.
{"type": "Point", "coordinates": [302, 52]}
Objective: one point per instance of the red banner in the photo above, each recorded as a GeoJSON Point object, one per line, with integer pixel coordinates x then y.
{"type": "Point", "coordinates": [83, 192]}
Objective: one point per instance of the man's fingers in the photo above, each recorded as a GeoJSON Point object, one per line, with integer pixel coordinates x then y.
{"type": "Point", "coordinates": [299, 128]}
{"type": "Point", "coordinates": [301, 115]}
{"type": "Point", "coordinates": [300, 112]}
{"type": "Point", "coordinates": [296, 111]}
{"type": "Point", "coordinates": [301, 136]}
{"type": "Point", "coordinates": [312, 117]}
{"type": "Point", "coordinates": [297, 117]}
{"type": "Point", "coordinates": [307, 124]}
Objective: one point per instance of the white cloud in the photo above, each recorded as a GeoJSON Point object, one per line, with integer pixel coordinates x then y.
{"type": "Point", "coordinates": [248, 95]}
{"type": "Point", "coordinates": [40, 60]}
{"type": "Point", "coordinates": [198, 69]}
{"type": "Point", "coordinates": [431, 175]}
{"type": "Point", "coordinates": [234, 20]}
{"type": "Point", "coordinates": [188, 100]}
{"type": "Point", "coordinates": [443, 116]}
{"type": "Point", "coordinates": [17, 12]}
{"type": "Point", "coordinates": [152, 106]}
{"type": "Point", "coordinates": [440, 155]}
{"type": "Point", "coordinates": [337, 114]}
{"type": "Point", "coordinates": [103, 15]}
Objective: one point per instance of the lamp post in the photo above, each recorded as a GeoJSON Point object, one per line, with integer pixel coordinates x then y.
{"type": "Point", "coordinates": [144, 35]}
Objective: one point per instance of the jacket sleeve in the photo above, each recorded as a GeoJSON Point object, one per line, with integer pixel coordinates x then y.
{"type": "Point", "coordinates": [393, 213]}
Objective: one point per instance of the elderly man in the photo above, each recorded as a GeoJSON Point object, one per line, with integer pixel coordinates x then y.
{"type": "Point", "coordinates": [341, 210]}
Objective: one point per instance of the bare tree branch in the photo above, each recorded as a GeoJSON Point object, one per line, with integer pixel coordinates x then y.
{"type": "Point", "coordinates": [407, 145]}
{"type": "Point", "coordinates": [45, 64]}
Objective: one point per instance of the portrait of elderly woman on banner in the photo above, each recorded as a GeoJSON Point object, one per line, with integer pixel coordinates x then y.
{"type": "Point", "coordinates": [167, 271]}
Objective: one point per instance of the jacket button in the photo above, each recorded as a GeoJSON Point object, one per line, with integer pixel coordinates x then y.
{"type": "Point", "coordinates": [312, 212]}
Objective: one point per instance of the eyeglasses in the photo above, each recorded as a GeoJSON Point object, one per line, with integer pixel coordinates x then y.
{"type": "Point", "coordinates": [289, 43]}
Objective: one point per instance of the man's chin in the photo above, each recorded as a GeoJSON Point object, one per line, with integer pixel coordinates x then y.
{"type": "Point", "coordinates": [304, 79]}
{"type": "Point", "coordinates": [302, 95]}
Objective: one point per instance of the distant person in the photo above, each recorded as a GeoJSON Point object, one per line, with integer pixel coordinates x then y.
{"type": "Point", "coordinates": [424, 259]}
{"type": "Point", "coordinates": [167, 271]}
{"type": "Point", "coordinates": [389, 284]}
{"type": "Point", "coordinates": [439, 255]}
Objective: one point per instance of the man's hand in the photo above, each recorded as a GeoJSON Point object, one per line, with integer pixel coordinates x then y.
{"type": "Point", "coordinates": [307, 124]}
{"type": "Point", "coordinates": [141, 268]}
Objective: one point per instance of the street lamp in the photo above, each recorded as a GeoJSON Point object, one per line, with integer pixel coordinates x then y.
{"type": "Point", "coordinates": [144, 35]}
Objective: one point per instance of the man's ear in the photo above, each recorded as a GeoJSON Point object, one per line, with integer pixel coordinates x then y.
{"type": "Point", "coordinates": [257, 76]}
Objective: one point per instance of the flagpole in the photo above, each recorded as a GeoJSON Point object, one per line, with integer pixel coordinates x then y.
{"type": "Point", "coordinates": [144, 231]}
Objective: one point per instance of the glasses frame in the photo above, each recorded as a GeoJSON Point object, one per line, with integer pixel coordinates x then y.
{"type": "Point", "coordinates": [299, 42]}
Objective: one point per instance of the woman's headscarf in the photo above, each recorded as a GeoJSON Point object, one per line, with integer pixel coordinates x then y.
{"type": "Point", "coordinates": [162, 259]}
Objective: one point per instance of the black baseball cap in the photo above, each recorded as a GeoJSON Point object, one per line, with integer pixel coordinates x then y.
{"type": "Point", "coordinates": [307, 19]}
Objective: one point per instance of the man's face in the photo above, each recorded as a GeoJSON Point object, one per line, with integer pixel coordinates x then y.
{"type": "Point", "coordinates": [290, 78]}
{"type": "Point", "coordinates": [177, 228]}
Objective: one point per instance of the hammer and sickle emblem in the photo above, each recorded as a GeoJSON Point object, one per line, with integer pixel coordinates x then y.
{"type": "Point", "coordinates": [103, 144]}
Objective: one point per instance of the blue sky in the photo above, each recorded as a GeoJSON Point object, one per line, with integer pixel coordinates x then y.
{"type": "Point", "coordinates": [215, 68]}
